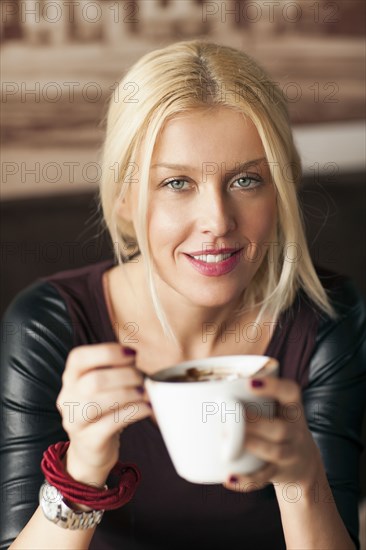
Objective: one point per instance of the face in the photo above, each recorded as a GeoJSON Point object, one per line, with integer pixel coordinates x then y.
{"type": "Point", "coordinates": [212, 207]}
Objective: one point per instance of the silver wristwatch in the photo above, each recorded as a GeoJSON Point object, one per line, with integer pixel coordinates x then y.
{"type": "Point", "coordinates": [56, 510]}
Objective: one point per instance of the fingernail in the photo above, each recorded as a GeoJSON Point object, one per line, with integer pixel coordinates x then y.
{"type": "Point", "coordinates": [233, 479]}
{"type": "Point", "coordinates": [140, 389]}
{"type": "Point", "coordinates": [256, 383]}
{"type": "Point", "coordinates": [149, 404]}
{"type": "Point", "coordinates": [128, 351]}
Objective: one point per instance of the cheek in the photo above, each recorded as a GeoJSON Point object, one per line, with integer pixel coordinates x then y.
{"type": "Point", "coordinates": [165, 226]}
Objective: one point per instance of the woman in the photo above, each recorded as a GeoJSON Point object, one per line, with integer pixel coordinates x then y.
{"type": "Point", "coordinates": [199, 194]}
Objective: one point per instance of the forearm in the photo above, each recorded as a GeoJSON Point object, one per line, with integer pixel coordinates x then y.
{"type": "Point", "coordinates": [42, 534]}
{"type": "Point", "coordinates": [310, 518]}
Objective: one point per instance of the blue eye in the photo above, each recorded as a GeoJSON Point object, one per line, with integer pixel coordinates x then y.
{"type": "Point", "coordinates": [172, 184]}
{"type": "Point", "coordinates": [247, 182]}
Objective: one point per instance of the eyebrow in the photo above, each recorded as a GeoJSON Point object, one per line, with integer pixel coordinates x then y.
{"type": "Point", "coordinates": [238, 166]}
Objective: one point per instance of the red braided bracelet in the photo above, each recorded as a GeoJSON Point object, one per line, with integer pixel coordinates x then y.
{"type": "Point", "coordinates": [127, 477]}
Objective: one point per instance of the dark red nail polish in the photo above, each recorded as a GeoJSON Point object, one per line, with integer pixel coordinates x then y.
{"type": "Point", "coordinates": [140, 389]}
{"type": "Point", "coordinates": [256, 383]}
{"type": "Point", "coordinates": [233, 479]}
{"type": "Point", "coordinates": [128, 351]}
{"type": "Point", "coordinates": [149, 404]}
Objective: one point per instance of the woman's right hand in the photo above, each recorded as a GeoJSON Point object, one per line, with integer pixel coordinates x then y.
{"type": "Point", "coordinates": [102, 393]}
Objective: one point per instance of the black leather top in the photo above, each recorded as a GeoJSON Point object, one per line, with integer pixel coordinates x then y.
{"type": "Point", "coordinates": [48, 318]}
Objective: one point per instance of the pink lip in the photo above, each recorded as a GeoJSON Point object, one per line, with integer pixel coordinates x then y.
{"type": "Point", "coordinates": [218, 269]}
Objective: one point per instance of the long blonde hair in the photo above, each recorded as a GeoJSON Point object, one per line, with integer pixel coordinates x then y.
{"type": "Point", "coordinates": [174, 80]}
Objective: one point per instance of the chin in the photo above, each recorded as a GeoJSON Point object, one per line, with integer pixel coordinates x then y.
{"type": "Point", "coordinates": [209, 293]}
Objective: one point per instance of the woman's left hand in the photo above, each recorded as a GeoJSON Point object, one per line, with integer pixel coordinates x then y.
{"type": "Point", "coordinates": [284, 442]}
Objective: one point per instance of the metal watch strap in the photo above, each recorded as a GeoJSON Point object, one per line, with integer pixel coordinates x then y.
{"type": "Point", "coordinates": [56, 510]}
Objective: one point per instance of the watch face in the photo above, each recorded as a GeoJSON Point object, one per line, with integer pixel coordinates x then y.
{"type": "Point", "coordinates": [50, 501]}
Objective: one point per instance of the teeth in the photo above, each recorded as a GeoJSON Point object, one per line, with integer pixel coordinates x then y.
{"type": "Point", "coordinates": [213, 258]}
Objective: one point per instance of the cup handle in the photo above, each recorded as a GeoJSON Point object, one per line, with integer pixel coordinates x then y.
{"type": "Point", "coordinates": [233, 434]}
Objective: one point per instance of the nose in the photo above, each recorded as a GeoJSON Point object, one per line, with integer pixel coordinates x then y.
{"type": "Point", "coordinates": [215, 214]}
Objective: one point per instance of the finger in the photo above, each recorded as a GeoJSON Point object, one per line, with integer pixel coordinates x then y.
{"type": "Point", "coordinates": [112, 377]}
{"type": "Point", "coordinates": [275, 430]}
{"type": "Point", "coordinates": [80, 412]}
{"type": "Point", "coordinates": [268, 450]}
{"type": "Point", "coordinates": [251, 482]}
{"type": "Point", "coordinates": [286, 392]}
{"type": "Point", "coordinates": [84, 358]}
{"type": "Point", "coordinates": [111, 424]}
{"type": "Point", "coordinates": [120, 418]}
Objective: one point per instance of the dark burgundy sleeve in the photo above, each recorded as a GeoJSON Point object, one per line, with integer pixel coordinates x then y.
{"type": "Point", "coordinates": [36, 339]}
{"type": "Point", "coordinates": [334, 399]}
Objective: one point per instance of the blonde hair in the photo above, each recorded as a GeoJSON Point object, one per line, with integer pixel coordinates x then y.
{"type": "Point", "coordinates": [201, 74]}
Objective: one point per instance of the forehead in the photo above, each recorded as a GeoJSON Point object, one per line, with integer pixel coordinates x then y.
{"type": "Point", "coordinates": [218, 134]}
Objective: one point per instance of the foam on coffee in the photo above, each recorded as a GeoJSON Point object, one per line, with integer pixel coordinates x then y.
{"type": "Point", "coordinates": [205, 375]}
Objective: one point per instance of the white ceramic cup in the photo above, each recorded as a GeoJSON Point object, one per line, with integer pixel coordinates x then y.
{"type": "Point", "coordinates": [203, 422]}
